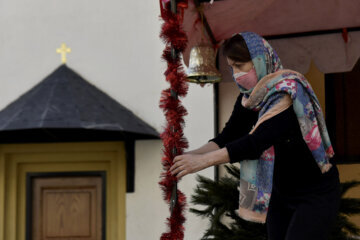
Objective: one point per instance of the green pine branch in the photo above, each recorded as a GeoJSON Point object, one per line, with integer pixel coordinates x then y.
{"type": "Point", "coordinates": [219, 199]}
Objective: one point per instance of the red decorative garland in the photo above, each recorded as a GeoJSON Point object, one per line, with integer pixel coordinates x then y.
{"type": "Point", "coordinates": [172, 137]}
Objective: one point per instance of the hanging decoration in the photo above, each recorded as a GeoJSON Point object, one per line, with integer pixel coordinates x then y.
{"type": "Point", "coordinates": [173, 139]}
{"type": "Point", "coordinates": [202, 63]}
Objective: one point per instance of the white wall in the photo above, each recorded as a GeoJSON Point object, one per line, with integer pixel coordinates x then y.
{"type": "Point", "coordinates": [146, 211]}
{"type": "Point", "coordinates": [115, 46]}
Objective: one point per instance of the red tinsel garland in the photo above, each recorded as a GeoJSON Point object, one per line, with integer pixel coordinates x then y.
{"type": "Point", "coordinates": [173, 138]}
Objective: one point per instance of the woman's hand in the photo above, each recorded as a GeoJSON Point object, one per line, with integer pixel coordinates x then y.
{"type": "Point", "coordinates": [188, 163]}
{"type": "Point", "coordinates": [191, 163]}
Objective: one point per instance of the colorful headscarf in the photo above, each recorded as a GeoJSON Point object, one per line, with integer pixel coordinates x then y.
{"type": "Point", "coordinates": [276, 90]}
{"type": "Point", "coordinates": [263, 56]}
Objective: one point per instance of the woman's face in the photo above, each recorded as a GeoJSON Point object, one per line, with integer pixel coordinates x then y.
{"type": "Point", "coordinates": [240, 66]}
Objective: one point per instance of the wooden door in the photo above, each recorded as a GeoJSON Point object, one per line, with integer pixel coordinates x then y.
{"type": "Point", "coordinates": [67, 208]}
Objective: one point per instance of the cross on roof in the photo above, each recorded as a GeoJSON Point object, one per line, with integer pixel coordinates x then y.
{"type": "Point", "coordinates": [63, 50]}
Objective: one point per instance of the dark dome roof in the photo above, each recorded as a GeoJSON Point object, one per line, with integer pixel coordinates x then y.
{"type": "Point", "coordinates": [65, 107]}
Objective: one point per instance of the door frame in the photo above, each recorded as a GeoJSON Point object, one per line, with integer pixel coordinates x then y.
{"type": "Point", "coordinates": [16, 160]}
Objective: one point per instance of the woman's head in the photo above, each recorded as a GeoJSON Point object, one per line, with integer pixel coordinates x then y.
{"type": "Point", "coordinates": [249, 52]}
{"type": "Point", "coordinates": [239, 59]}
{"type": "Point", "coordinates": [237, 54]}
{"type": "Point", "coordinates": [235, 48]}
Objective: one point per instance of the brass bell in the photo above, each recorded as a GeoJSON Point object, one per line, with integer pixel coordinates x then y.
{"type": "Point", "coordinates": [202, 67]}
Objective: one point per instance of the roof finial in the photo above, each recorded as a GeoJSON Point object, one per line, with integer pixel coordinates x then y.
{"type": "Point", "coordinates": [63, 50]}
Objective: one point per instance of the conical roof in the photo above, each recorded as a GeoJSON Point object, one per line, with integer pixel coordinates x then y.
{"type": "Point", "coordinates": [66, 107]}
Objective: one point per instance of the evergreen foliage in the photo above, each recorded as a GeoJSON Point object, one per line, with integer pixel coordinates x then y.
{"type": "Point", "coordinates": [219, 199]}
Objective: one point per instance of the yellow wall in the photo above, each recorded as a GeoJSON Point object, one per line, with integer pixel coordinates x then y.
{"type": "Point", "coordinates": [350, 172]}
{"type": "Point", "coordinates": [317, 81]}
{"type": "Point", "coordinates": [18, 159]}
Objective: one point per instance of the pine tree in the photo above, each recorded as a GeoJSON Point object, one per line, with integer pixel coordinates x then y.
{"type": "Point", "coordinates": [219, 199]}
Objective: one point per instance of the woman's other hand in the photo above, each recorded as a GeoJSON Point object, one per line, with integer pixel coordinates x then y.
{"type": "Point", "coordinates": [188, 163]}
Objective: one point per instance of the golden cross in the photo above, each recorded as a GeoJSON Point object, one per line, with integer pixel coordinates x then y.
{"type": "Point", "coordinates": [63, 50]}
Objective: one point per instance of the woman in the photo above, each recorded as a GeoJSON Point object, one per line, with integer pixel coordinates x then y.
{"type": "Point", "coordinates": [278, 133]}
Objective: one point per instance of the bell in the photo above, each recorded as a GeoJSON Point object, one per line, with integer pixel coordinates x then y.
{"type": "Point", "coordinates": [202, 67]}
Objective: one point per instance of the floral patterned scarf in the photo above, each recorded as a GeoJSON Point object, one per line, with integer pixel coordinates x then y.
{"type": "Point", "coordinates": [277, 90]}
